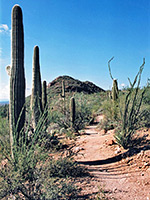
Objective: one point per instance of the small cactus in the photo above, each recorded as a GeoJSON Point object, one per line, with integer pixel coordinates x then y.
{"type": "Point", "coordinates": [44, 95]}
{"type": "Point", "coordinates": [63, 89]}
{"type": "Point", "coordinates": [17, 76]}
{"type": "Point", "coordinates": [72, 111]}
{"type": "Point", "coordinates": [36, 102]}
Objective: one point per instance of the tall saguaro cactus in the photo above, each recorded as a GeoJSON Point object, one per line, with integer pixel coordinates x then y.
{"type": "Point", "coordinates": [17, 76]}
{"type": "Point", "coordinates": [36, 104]}
{"type": "Point", "coordinates": [72, 111]}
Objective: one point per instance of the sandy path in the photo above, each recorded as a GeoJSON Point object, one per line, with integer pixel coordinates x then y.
{"type": "Point", "coordinates": [121, 175]}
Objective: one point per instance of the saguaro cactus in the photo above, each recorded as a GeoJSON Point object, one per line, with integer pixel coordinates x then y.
{"type": "Point", "coordinates": [36, 103]}
{"type": "Point", "coordinates": [44, 95]}
{"type": "Point", "coordinates": [72, 111]}
{"type": "Point", "coordinates": [17, 76]}
{"type": "Point", "coordinates": [63, 89]}
{"type": "Point", "coordinates": [115, 90]}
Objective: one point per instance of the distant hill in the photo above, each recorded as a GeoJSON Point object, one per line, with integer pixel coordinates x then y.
{"type": "Point", "coordinates": [73, 85]}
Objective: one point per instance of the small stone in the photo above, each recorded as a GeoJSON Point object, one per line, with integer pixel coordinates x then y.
{"type": "Point", "coordinates": [142, 174]}
{"type": "Point", "coordinates": [77, 149]}
{"type": "Point", "coordinates": [118, 151]}
{"type": "Point", "coordinates": [147, 153]}
{"type": "Point", "coordinates": [4, 162]}
{"type": "Point", "coordinates": [146, 164]}
{"type": "Point", "coordinates": [142, 153]}
{"type": "Point", "coordinates": [110, 142]}
{"type": "Point", "coordinates": [114, 189]}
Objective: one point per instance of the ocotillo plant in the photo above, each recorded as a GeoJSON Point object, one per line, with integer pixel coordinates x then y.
{"type": "Point", "coordinates": [17, 76]}
{"type": "Point", "coordinates": [44, 95]}
{"type": "Point", "coordinates": [36, 103]}
{"type": "Point", "coordinates": [72, 111]}
{"type": "Point", "coordinates": [115, 90]}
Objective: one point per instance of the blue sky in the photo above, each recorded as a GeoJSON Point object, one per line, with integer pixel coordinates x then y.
{"type": "Point", "coordinates": [78, 37]}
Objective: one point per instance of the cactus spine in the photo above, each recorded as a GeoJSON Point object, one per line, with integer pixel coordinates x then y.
{"type": "Point", "coordinates": [17, 76]}
{"type": "Point", "coordinates": [36, 103]}
{"type": "Point", "coordinates": [72, 111]}
{"type": "Point", "coordinates": [44, 95]}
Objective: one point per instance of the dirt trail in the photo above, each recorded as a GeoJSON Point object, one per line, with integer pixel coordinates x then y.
{"type": "Point", "coordinates": [123, 175]}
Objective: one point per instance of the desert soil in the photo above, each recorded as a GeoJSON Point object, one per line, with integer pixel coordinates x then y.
{"type": "Point", "coordinates": [115, 173]}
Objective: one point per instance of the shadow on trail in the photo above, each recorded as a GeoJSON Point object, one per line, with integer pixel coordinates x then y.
{"type": "Point", "coordinates": [114, 159]}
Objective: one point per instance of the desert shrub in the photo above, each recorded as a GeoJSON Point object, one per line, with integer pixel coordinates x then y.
{"type": "Point", "coordinates": [62, 113]}
{"type": "Point", "coordinates": [146, 99]}
{"type": "Point", "coordinates": [145, 108]}
{"type": "Point", "coordinates": [111, 110]}
{"type": "Point", "coordinates": [111, 114]}
{"type": "Point", "coordinates": [39, 186]}
{"type": "Point", "coordinates": [4, 137]}
{"type": "Point", "coordinates": [106, 124]}
{"type": "Point", "coordinates": [95, 101]}
{"type": "Point", "coordinates": [60, 189]}
{"type": "Point", "coordinates": [65, 167]}
{"type": "Point", "coordinates": [24, 176]}
{"type": "Point", "coordinates": [83, 113]}
{"type": "Point", "coordinates": [4, 110]}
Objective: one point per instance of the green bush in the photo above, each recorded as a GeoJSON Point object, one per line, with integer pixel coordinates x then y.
{"type": "Point", "coordinates": [64, 168]}
{"type": "Point", "coordinates": [62, 113]}
{"type": "Point", "coordinates": [4, 110]}
{"type": "Point", "coordinates": [146, 99]}
{"type": "Point", "coordinates": [31, 173]}
{"type": "Point", "coordinates": [4, 137]}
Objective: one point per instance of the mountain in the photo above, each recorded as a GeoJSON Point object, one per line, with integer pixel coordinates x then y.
{"type": "Point", "coordinates": [73, 85]}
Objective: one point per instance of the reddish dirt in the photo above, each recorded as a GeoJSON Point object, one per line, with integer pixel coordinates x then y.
{"type": "Point", "coordinates": [115, 173]}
